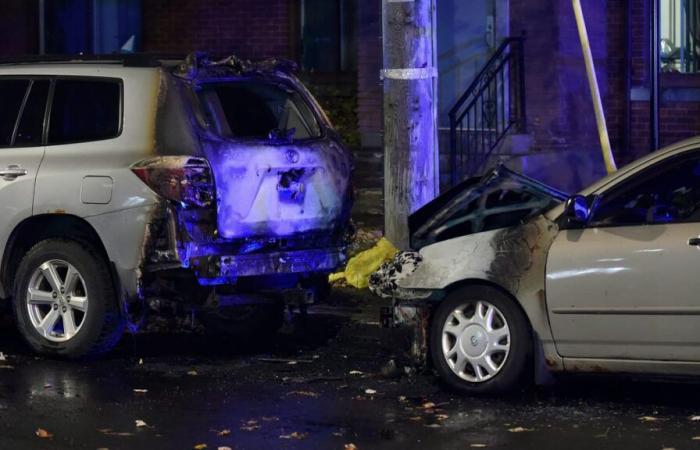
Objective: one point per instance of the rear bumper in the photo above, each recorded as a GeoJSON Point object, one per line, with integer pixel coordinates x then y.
{"type": "Point", "coordinates": [224, 269]}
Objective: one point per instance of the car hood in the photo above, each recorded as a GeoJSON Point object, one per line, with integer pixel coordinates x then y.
{"type": "Point", "coordinates": [499, 199]}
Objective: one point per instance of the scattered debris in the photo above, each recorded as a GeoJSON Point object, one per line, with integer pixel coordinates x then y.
{"type": "Point", "coordinates": [224, 448]}
{"type": "Point", "coordinates": [294, 435]}
{"type": "Point", "coordinates": [40, 432]}
{"type": "Point", "coordinates": [477, 445]}
{"type": "Point", "coordinates": [140, 361]}
{"type": "Point", "coordinates": [2, 357]}
{"type": "Point", "coordinates": [140, 391]}
{"type": "Point", "coordinates": [141, 424]}
{"type": "Point", "coordinates": [270, 419]}
{"type": "Point", "coordinates": [520, 430]}
{"type": "Point", "coordinates": [355, 372]}
{"type": "Point", "coordinates": [695, 438]}
{"type": "Point", "coordinates": [200, 446]}
{"type": "Point", "coordinates": [370, 391]}
{"type": "Point", "coordinates": [192, 373]}
{"type": "Point", "coordinates": [284, 360]}
{"type": "Point", "coordinates": [694, 418]}
{"type": "Point", "coordinates": [110, 432]}
{"type": "Point", "coordinates": [391, 370]}
{"type": "Point", "coordinates": [428, 405]}
{"type": "Point", "coordinates": [441, 417]}
{"type": "Point", "coordinates": [48, 385]}
{"type": "Point", "coordinates": [350, 446]}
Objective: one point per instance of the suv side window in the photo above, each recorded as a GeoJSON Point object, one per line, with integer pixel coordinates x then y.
{"type": "Point", "coordinates": [85, 110]}
{"type": "Point", "coordinates": [666, 193]}
{"type": "Point", "coordinates": [31, 125]}
{"type": "Point", "coordinates": [12, 93]}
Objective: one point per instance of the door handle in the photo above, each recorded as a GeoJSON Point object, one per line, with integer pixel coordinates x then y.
{"type": "Point", "coordinates": [694, 241]}
{"type": "Point", "coordinates": [13, 171]}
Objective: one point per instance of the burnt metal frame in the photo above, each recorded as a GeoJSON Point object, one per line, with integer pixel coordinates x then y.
{"type": "Point", "coordinates": [498, 88]}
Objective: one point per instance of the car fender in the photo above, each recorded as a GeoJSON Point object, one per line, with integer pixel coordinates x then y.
{"type": "Point", "coordinates": [512, 258]}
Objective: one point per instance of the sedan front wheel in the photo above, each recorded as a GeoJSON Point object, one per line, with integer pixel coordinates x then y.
{"type": "Point", "coordinates": [480, 341]}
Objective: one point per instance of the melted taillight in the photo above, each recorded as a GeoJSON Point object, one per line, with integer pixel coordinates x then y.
{"type": "Point", "coordinates": [182, 179]}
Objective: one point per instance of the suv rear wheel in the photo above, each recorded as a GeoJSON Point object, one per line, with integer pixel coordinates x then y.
{"type": "Point", "coordinates": [64, 300]}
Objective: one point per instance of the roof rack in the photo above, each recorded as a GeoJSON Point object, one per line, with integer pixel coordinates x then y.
{"type": "Point", "coordinates": [124, 59]}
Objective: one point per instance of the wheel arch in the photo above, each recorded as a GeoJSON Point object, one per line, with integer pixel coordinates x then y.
{"type": "Point", "coordinates": [38, 228]}
{"type": "Point", "coordinates": [541, 364]}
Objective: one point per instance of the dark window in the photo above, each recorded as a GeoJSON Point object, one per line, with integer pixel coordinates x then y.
{"type": "Point", "coordinates": [31, 125]}
{"type": "Point", "coordinates": [327, 35]}
{"type": "Point", "coordinates": [257, 110]}
{"type": "Point", "coordinates": [12, 93]}
{"type": "Point", "coordinates": [663, 194]}
{"type": "Point", "coordinates": [84, 110]}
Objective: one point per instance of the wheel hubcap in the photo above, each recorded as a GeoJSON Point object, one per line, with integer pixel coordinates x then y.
{"type": "Point", "coordinates": [476, 341]}
{"type": "Point", "coordinates": [57, 300]}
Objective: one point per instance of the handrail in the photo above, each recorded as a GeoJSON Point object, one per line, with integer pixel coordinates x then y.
{"type": "Point", "coordinates": [488, 109]}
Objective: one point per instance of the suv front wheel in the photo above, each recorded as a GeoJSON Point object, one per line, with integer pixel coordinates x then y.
{"type": "Point", "coordinates": [64, 300]}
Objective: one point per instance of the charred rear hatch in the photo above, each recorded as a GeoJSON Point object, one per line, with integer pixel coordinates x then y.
{"type": "Point", "coordinates": [277, 169]}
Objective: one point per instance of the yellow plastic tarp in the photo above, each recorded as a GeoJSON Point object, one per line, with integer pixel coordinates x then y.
{"type": "Point", "coordinates": [362, 265]}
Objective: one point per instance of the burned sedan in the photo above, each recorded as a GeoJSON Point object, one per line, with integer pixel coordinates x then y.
{"type": "Point", "coordinates": [511, 278]}
{"type": "Point", "coordinates": [217, 188]}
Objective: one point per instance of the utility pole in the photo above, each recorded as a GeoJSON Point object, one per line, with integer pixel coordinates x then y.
{"type": "Point", "coordinates": [411, 156]}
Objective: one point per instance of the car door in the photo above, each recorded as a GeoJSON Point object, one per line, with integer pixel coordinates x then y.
{"type": "Point", "coordinates": [627, 286]}
{"type": "Point", "coordinates": [22, 113]}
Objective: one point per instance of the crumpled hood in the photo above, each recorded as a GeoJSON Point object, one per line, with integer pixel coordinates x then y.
{"type": "Point", "coordinates": [279, 189]}
{"type": "Point", "coordinates": [501, 198]}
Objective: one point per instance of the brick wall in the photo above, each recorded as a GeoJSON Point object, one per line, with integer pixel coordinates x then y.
{"type": "Point", "coordinates": [558, 98]}
{"type": "Point", "coordinates": [369, 61]}
{"type": "Point", "coordinates": [19, 33]}
{"type": "Point", "coordinates": [252, 29]}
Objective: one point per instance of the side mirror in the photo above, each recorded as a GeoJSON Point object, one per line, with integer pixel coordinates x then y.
{"type": "Point", "coordinates": [577, 211]}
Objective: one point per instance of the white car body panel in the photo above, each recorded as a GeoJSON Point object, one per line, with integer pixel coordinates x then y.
{"type": "Point", "coordinates": [625, 292]}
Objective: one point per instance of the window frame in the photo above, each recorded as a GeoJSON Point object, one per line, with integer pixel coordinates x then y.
{"type": "Point", "coordinates": [596, 199]}
{"type": "Point", "coordinates": [49, 109]}
{"type": "Point", "coordinates": [29, 79]}
{"type": "Point", "coordinates": [195, 87]}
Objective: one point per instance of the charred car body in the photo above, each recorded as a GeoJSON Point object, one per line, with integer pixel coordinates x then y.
{"type": "Point", "coordinates": [513, 276]}
{"type": "Point", "coordinates": [200, 181]}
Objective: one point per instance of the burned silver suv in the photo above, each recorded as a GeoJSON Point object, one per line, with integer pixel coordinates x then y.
{"type": "Point", "coordinates": [218, 185]}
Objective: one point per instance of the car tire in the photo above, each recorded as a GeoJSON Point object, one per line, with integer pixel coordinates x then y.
{"type": "Point", "coordinates": [88, 300]}
{"type": "Point", "coordinates": [461, 342]}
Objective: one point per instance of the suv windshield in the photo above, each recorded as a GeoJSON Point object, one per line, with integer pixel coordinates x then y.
{"type": "Point", "coordinates": [257, 110]}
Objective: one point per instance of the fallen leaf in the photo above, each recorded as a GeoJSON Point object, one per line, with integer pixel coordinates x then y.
{"type": "Point", "coordinates": [140, 391]}
{"type": "Point", "coordinates": [224, 448]}
{"type": "Point", "coordinates": [428, 405]}
{"type": "Point", "coordinates": [192, 373]}
{"type": "Point", "coordinates": [650, 419]}
{"type": "Point", "coordinates": [415, 418]}
{"type": "Point", "coordinates": [355, 372]}
{"type": "Point", "coordinates": [40, 432]}
{"type": "Point", "coordinates": [402, 398]}
{"type": "Point", "coordinates": [224, 432]}
{"type": "Point", "coordinates": [140, 423]}
{"type": "Point", "coordinates": [292, 363]}
{"type": "Point", "coordinates": [350, 446]}
{"type": "Point", "coordinates": [304, 393]}
{"type": "Point", "coordinates": [442, 416]}
{"type": "Point", "coordinates": [294, 435]}
{"type": "Point", "coordinates": [200, 446]}
{"type": "Point", "coordinates": [519, 430]}
{"type": "Point", "coordinates": [370, 391]}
